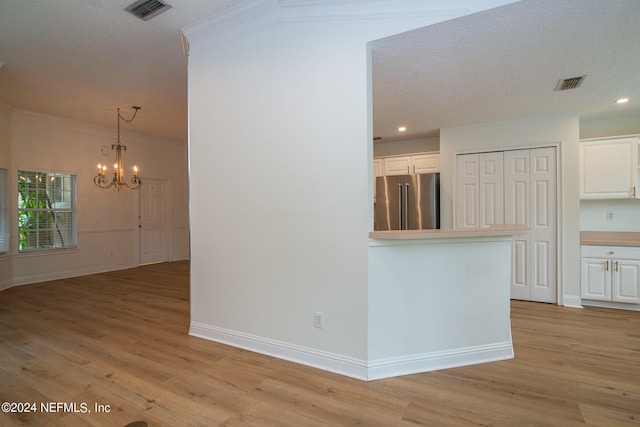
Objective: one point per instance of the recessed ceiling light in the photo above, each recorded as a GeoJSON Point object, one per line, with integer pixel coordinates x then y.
{"type": "Point", "coordinates": [622, 101]}
{"type": "Point", "coordinates": [402, 129]}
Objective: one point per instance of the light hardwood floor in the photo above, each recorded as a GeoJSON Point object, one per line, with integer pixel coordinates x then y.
{"type": "Point", "coordinates": [120, 339]}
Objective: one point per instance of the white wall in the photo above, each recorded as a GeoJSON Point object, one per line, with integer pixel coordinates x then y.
{"type": "Point", "coordinates": [281, 187]}
{"type": "Point", "coordinates": [408, 146]}
{"type": "Point", "coordinates": [562, 130]}
{"type": "Point", "coordinates": [625, 125]}
{"type": "Point", "coordinates": [107, 220]}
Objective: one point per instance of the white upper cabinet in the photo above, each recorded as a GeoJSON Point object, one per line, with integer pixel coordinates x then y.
{"type": "Point", "coordinates": [412, 164]}
{"type": "Point", "coordinates": [426, 163]}
{"type": "Point", "coordinates": [400, 165]}
{"type": "Point", "coordinates": [609, 168]}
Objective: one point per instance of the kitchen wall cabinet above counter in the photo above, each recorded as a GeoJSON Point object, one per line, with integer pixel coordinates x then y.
{"type": "Point", "coordinates": [408, 164]}
{"type": "Point", "coordinates": [609, 168]}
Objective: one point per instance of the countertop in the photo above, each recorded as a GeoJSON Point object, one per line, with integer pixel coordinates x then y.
{"type": "Point", "coordinates": [493, 231]}
{"type": "Point", "coordinates": [610, 238]}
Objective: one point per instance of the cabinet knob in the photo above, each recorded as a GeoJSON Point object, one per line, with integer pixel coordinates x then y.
{"type": "Point", "coordinates": [611, 252]}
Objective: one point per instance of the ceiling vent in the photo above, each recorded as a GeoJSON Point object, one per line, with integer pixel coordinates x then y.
{"type": "Point", "coordinates": [570, 83]}
{"type": "Point", "coordinates": [147, 9]}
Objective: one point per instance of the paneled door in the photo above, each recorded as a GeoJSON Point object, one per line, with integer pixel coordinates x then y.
{"type": "Point", "coordinates": [515, 187]}
{"type": "Point", "coordinates": [152, 221]}
{"type": "Point", "coordinates": [479, 190]}
{"type": "Point", "coordinates": [467, 191]}
{"type": "Point", "coordinates": [531, 200]}
{"type": "Point", "coordinates": [517, 198]}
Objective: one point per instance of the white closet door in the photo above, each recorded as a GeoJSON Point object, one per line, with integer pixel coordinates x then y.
{"type": "Point", "coordinates": [467, 190]}
{"type": "Point", "coordinates": [543, 225]}
{"type": "Point", "coordinates": [515, 187]}
{"type": "Point", "coordinates": [517, 199]}
{"type": "Point", "coordinates": [531, 200]}
{"type": "Point", "coordinates": [491, 197]}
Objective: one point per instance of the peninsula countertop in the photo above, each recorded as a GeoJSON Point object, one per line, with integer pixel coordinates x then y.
{"type": "Point", "coordinates": [492, 231]}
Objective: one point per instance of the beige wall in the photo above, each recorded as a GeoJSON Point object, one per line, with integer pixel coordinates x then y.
{"type": "Point", "coordinates": [106, 220]}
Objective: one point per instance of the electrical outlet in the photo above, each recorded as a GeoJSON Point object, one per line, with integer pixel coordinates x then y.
{"type": "Point", "coordinates": [610, 216]}
{"type": "Point", "coordinates": [318, 320]}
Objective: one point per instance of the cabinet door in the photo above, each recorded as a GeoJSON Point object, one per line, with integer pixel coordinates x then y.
{"type": "Point", "coordinates": [595, 279]}
{"type": "Point", "coordinates": [397, 165]}
{"type": "Point", "coordinates": [609, 169]}
{"type": "Point", "coordinates": [626, 281]}
{"type": "Point", "coordinates": [426, 163]}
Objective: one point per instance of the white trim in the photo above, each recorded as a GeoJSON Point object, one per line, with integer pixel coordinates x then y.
{"type": "Point", "coordinates": [37, 278]}
{"type": "Point", "coordinates": [351, 367]}
{"type": "Point", "coordinates": [571, 301]}
{"type": "Point", "coordinates": [339, 364]}
{"type": "Point", "coordinates": [253, 15]}
{"type": "Point", "coordinates": [425, 362]}
{"type": "Point", "coordinates": [611, 304]}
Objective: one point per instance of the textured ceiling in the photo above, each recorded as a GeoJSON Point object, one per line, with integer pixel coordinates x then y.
{"type": "Point", "coordinates": [504, 64]}
{"type": "Point", "coordinates": [82, 59]}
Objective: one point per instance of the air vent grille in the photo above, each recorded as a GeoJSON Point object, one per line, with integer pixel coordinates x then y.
{"type": "Point", "coordinates": [147, 9]}
{"type": "Point", "coordinates": [570, 83]}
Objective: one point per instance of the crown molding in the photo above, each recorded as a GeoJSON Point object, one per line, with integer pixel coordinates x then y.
{"type": "Point", "coordinates": [253, 15]}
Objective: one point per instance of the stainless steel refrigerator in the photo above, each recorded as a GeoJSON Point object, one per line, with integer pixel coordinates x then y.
{"type": "Point", "coordinates": [408, 202]}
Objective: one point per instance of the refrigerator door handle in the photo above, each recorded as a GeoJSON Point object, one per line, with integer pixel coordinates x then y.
{"type": "Point", "coordinates": [406, 206]}
{"type": "Point", "coordinates": [400, 206]}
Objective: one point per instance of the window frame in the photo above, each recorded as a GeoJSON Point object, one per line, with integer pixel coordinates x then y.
{"type": "Point", "coordinates": [45, 232]}
{"type": "Point", "coordinates": [4, 211]}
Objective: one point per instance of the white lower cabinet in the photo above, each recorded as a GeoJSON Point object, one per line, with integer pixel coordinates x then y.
{"type": "Point", "coordinates": [610, 273]}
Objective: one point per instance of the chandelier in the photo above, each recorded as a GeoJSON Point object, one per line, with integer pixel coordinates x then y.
{"type": "Point", "coordinates": [118, 181]}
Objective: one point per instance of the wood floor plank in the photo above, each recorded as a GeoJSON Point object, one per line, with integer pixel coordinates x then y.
{"type": "Point", "coordinates": [121, 339]}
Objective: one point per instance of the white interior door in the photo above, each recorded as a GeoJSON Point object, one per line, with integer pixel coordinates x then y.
{"type": "Point", "coordinates": [543, 225]}
{"type": "Point", "coordinates": [467, 190]}
{"type": "Point", "coordinates": [517, 199]}
{"type": "Point", "coordinates": [515, 187]}
{"type": "Point", "coordinates": [153, 224]}
{"type": "Point", "coordinates": [491, 189]}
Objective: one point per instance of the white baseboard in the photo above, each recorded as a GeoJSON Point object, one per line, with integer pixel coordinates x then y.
{"type": "Point", "coordinates": [359, 369]}
{"type": "Point", "coordinates": [613, 305]}
{"type": "Point", "coordinates": [339, 364]}
{"type": "Point", "coordinates": [426, 362]}
{"type": "Point", "coordinates": [37, 278]}
{"type": "Point", "coordinates": [574, 302]}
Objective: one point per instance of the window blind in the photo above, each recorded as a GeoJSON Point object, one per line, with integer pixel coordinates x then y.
{"type": "Point", "coordinates": [46, 210]}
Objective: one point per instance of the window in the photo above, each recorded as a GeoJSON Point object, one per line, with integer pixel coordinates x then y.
{"type": "Point", "coordinates": [46, 210]}
{"type": "Point", "coordinates": [4, 212]}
